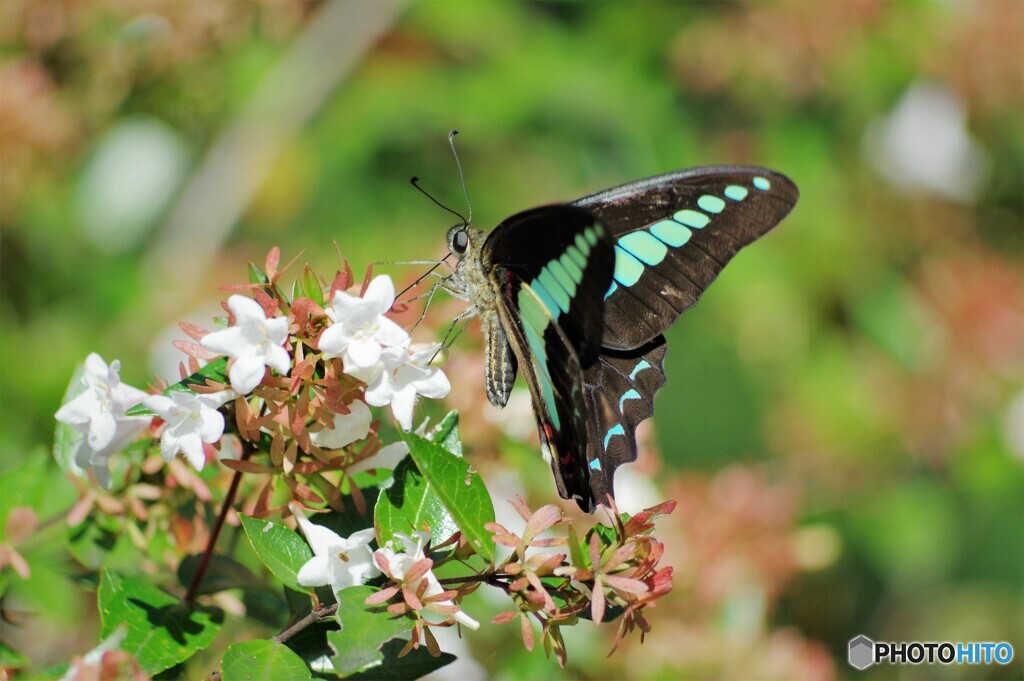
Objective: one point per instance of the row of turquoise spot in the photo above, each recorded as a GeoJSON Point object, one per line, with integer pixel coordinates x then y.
{"type": "Point", "coordinates": [546, 298]}
{"type": "Point", "coordinates": [649, 246]}
{"type": "Point", "coordinates": [630, 394]}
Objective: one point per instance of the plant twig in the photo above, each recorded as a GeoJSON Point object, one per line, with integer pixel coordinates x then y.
{"type": "Point", "coordinates": [229, 500]}
{"type": "Point", "coordinates": [310, 619]}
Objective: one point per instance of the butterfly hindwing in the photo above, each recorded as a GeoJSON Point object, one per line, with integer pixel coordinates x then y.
{"type": "Point", "coordinates": [673, 234]}
{"type": "Point", "coordinates": [619, 391]}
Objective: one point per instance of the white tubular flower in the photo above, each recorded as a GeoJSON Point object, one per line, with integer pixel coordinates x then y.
{"type": "Point", "coordinates": [336, 561]}
{"type": "Point", "coordinates": [406, 374]}
{"type": "Point", "coordinates": [98, 413]}
{"type": "Point", "coordinates": [348, 428]}
{"type": "Point", "coordinates": [191, 420]}
{"type": "Point", "coordinates": [359, 329]}
{"type": "Point", "coordinates": [399, 563]}
{"type": "Point", "coordinates": [254, 342]}
{"type": "Point", "coordinates": [387, 456]}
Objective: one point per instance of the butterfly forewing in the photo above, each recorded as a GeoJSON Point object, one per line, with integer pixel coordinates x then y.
{"type": "Point", "coordinates": [673, 234]}
{"type": "Point", "coordinates": [553, 266]}
{"type": "Point", "coordinates": [565, 257]}
{"type": "Point", "coordinates": [553, 374]}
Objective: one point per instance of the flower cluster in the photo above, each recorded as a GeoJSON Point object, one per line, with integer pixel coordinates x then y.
{"type": "Point", "coordinates": [283, 372]}
{"type": "Point", "coordinates": [611, 568]}
{"type": "Point", "coordinates": [341, 563]}
{"type": "Point", "coordinates": [283, 394]}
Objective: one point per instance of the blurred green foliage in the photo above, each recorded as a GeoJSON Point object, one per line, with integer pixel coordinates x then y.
{"type": "Point", "coordinates": [862, 364]}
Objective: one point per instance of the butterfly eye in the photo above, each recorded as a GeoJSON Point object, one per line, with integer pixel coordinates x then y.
{"type": "Point", "coordinates": [460, 242]}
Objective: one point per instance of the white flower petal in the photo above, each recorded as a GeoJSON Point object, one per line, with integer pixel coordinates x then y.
{"type": "Point", "coordinates": [380, 294]}
{"type": "Point", "coordinates": [333, 341]}
{"type": "Point", "coordinates": [95, 371]}
{"type": "Point", "coordinates": [223, 341]}
{"type": "Point", "coordinates": [321, 539]}
{"type": "Point", "coordinates": [192, 447]}
{"type": "Point", "coordinates": [435, 386]}
{"type": "Point", "coordinates": [246, 373]}
{"type": "Point", "coordinates": [313, 572]}
{"type": "Point", "coordinates": [211, 425]}
{"type": "Point", "coordinates": [390, 333]}
{"type": "Point", "coordinates": [362, 537]}
{"type": "Point", "coordinates": [388, 457]}
{"type": "Point", "coordinates": [79, 410]}
{"type": "Point", "coordinates": [277, 330]}
{"type": "Point", "coordinates": [343, 305]}
{"type": "Point", "coordinates": [402, 403]}
{"type": "Point", "coordinates": [246, 309]}
{"type": "Point", "coordinates": [160, 405]}
{"type": "Point", "coordinates": [348, 428]}
{"type": "Point", "coordinates": [278, 359]}
{"type": "Point", "coordinates": [102, 429]}
{"type": "Point", "coordinates": [362, 354]}
{"type": "Point", "coordinates": [367, 375]}
{"type": "Point", "coordinates": [465, 620]}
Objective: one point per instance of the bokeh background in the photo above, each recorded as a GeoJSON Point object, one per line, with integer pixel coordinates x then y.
{"type": "Point", "coordinates": [843, 424]}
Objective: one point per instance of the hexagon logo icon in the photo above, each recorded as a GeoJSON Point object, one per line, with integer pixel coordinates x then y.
{"type": "Point", "coordinates": [862, 652]}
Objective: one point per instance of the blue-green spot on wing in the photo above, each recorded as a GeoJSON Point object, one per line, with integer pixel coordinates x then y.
{"type": "Point", "coordinates": [702, 217]}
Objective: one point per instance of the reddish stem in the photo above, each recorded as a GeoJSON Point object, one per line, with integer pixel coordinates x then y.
{"type": "Point", "coordinates": [229, 501]}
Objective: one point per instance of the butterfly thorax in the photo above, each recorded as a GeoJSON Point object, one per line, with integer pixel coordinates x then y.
{"type": "Point", "coordinates": [471, 283]}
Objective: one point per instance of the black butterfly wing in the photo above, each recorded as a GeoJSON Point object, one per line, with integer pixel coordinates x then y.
{"type": "Point", "coordinates": [552, 266]}
{"type": "Point", "coordinates": [619, 391]}
{"type": "Point", "coordinates": [673, 234]}
{"type": "Point", "coordinates": [566, 257]}
{"type": "Point", "coordinates": [552, 372]}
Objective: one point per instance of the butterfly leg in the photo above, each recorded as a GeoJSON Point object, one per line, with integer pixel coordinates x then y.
{"type": "Point", "coordinates": [466, 314]}
{"type": "Point", "coordinates": [429, 295]}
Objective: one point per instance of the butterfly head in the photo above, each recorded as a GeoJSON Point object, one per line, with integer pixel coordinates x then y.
{"type": "Point", "coordinates": [464, 240]}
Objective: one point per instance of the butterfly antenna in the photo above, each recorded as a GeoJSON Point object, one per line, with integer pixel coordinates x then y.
{"type": "Point", "coordinates": [451, 143]}
{"type": "Point", "coordinates": [415, 183]}
{"type": "Point", "coordinates": [421, 278]}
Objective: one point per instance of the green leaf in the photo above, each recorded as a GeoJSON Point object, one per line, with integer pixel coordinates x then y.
{"type": "Point", "coordinates": [216, 371]}
{"type": "Point", "coordinates": [256, 275]}
{"type": "Point", "coordinates": [446, 433]}
{"type": "Point", "coordinates": [11, 658]}
{"type": "Point", "coordinates": [259, 660]}
{"type": "Point", "coordinates": [162, 631]}
{"type": "Point", "coordinates": [363, 631]}
{"type": "Point", "coordinates": [461, 491]}
{"type": "Point", "coordinates": [409, 505]}
{"type": "Point", "coordinates": [418, 662]}
{"type": "Point", "coordinates": [280, 549]}
{"type": "Point", "coordinates": [577, 550]}
{"type": "Point", "coordinates": [311, 287]}
{"type": "Point", "coordinates": [92, 540]}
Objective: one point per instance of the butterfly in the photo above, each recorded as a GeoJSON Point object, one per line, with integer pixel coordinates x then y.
{"type": "Point", "coordinates": [579, 296]}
